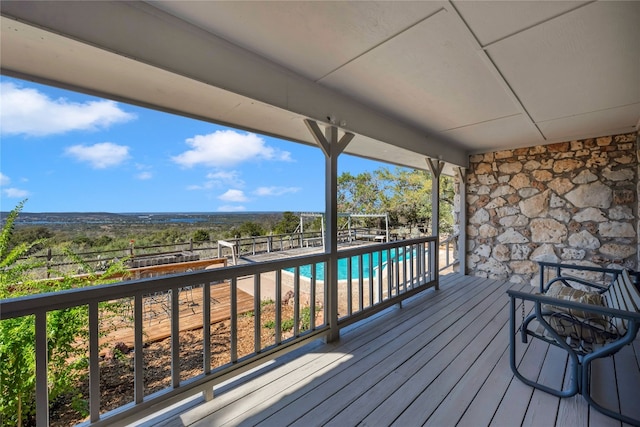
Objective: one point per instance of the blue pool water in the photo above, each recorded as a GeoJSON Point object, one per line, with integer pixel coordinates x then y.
{"type": "Point", "coordinates": [305, 270]}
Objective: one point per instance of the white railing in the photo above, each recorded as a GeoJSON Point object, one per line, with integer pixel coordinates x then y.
{"type": "Point", "coordinates": [391, 272]}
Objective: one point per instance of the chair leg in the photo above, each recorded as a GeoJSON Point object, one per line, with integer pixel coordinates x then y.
{"type": "Point", "coordinates": [574, 362]}
{"type": "Point", "coordinates": [586, 393]}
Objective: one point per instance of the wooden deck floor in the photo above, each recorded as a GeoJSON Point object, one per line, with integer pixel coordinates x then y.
{"type": "Point", "coordinates": [440, 360]}
{"type": "Point", "coordinates": [157, 320]}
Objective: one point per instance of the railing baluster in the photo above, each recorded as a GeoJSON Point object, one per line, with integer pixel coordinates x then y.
{"type": "Point", "coordinates": [360, 284]}
{"type": "Point", "coordinates": [412, 266]}
{"type": "Point", "coordinates": [94, 363]}
{"type": "Point", "coordinates": [370, 279]}
{"type": "Point", "coordinates": [257, 321]}
{"type": "Point", "coordinates": [234, 319]}
{"type": "Point", "coordinates": [389, 273]}
{"type": "Point", "coordinates": [312, 297]}
{"type": "Point", "coordinates": [420, 258]}
{"type": "Point", "coordinates": [404, 269]}
{"type": "Point", "coordinates": [42, 368]}
{"type": "Point", "coordinates": [349, 287]}
{"type": "Point", "coordinates": [175, 337]}
{"type": "Point", "coordinates": [397, 271]}
{"type": "Point", "coordinates": [138, 361]}
{"type": "Point", "coordinates": [380, 297]}
{"type": "Point", "coordinates": [206, 327]}
{"type": "Point", "coordinates": [278, 306]}
{"type": "Point", "coordinates": [296, 301]}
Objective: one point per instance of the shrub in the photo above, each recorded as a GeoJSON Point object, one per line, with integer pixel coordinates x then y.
{"type": "Point", "coordinates": [67, 330]}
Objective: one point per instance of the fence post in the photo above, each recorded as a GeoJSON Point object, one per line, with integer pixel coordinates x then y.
{"type": "Point", "coordinates": [190, 244]}
{"type": "Point", "coordinates": [49, 257]}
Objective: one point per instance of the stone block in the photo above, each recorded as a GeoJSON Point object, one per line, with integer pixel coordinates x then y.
{"type": "Point", "coordinates": [547, 231]}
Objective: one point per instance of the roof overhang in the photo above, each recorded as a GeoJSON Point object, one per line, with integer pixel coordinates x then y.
{"type": "Point", "coordinates": [437, 79]}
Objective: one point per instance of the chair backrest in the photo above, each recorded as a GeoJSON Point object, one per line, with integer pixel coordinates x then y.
{"type": "Point", "coordinates": [623, 295]}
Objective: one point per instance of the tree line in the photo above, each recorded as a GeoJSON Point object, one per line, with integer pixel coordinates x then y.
{"type": "Point", "coordinates": [403, 194]}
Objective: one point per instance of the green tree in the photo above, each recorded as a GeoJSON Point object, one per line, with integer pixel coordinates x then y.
{"type": "Point", "coordinates": [288, 224]}
{"type": "Point", "coordinates": [359, 194]}
{"type": "Point", "coordinates": [29, 235]}
{"type": "Point", "coordinates": [404, 194]}
{"type": "Point", "coordinates": [102, 241]}
{"type": "Point", "coordinates": [250, 229]}
{"type": "Point", "coordinates": [200, 235]}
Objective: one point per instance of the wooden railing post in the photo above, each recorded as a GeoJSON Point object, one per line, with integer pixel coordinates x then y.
{"type": "Point", "coordinates": [49, 258]}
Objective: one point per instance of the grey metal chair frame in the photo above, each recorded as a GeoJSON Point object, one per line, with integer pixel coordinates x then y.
{"type": "Point", "coordinates": [580, 357]}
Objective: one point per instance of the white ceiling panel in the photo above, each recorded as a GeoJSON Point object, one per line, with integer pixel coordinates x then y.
{"type": "Point", "coordinates": [310, 38]}
{"type": "Point", "coordinates": [444, 82]}
{"type": "Point", "coordinates": [598, 123]}
{"type": "Point", "coordinates": [520, 15]}
{"type": "Point", "coordinates": [582, 62]}
{"type": "Point", "coordinates": [514, 131]}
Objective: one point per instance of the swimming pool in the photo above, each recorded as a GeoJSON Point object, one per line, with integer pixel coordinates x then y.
{"type": "Point", "coordinates": [305, 270]}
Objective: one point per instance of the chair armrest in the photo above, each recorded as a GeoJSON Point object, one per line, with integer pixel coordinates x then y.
{"type": "Point", "coordinates": [567, 280]}
{"type": "Point", "coordinates": [579, 267]}
{"type": "Point", "coordinates": [558, 267]}
{"type": "Point", "coordinates": [539, 299]}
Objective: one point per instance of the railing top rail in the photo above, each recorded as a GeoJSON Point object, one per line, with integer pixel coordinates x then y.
{"type": "Point", "coordinates": [343, 253]}
{"type": "Point", "coordinates": [31, 304]}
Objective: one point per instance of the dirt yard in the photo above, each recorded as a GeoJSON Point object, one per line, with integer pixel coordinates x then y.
{"type": "Point", "coordinates": [116, 370]}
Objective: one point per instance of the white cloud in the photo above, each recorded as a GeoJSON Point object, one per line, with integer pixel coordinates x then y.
{"type": "Point", "coordinates": [144, 176]}
{"type": "Point", "coordinates": [15, 193]}
{"type": "Point", "coordinates": [206, 186]}
{"type": "Point", "coordinates": [4, 179]}
{"type": "Point", "coordinates": [26, 111]}
{"type": "Point", "coordinates": [99, 156]}
{"type": "Point", "coordinates": [230, 208]}
{"type": "Point", "coordinates": [218, 180]}
{"type": "Point", "coordinates": [225, 176]}
{"type": "Point", "coordinates": [275, 191]}
{"type": "Point", "coordinates": [225, 148]}
{"type": "Point", "coordinates": [233, 196]}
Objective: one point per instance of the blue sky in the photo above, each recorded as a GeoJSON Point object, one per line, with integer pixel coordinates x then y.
{"type": "Point", "coordinates": [69, 152]}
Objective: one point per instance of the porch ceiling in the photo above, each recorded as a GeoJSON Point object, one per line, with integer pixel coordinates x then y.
{"type": "Point", "coordinates": [410, 79]}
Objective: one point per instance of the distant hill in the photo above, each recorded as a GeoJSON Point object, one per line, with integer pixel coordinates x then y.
{"type": "Point", "coordinates": [69, 218]}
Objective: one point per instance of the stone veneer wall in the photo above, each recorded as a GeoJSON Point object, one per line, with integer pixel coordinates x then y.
{"type": "Point", "coordinates": [574, 202]}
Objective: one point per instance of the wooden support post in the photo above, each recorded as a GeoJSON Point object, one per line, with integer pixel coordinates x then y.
{"type": "Point", "coordinates": [332, 147]}
{"type": "Point", "coordinates": [462, 220]}
{"type": "Point", "coordinates": [436, 167]}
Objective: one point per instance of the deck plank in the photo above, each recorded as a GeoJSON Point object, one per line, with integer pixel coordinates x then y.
{"type": "Point", "coordinates": [381, 388]}
{"type": "Point", "coordinates": [627, 379]}
{"type": "Point", "coordinates": [516, 399]}
{"type": "Point", "coordinates": [343, 379]}
{"type": "Point", "coordinates": [432, 397]}
{"type": "Point", "coordinates": [543, 407]}
{"type": "Point", "coordinates": [441, 359]}
{"type": "Point", "coordinates": [264, 391]}
{"type": "Point", "coordinates": [604, 391]}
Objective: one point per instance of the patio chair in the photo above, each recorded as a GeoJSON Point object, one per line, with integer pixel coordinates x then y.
{"type": "Point", "coordinates": [588, 320]}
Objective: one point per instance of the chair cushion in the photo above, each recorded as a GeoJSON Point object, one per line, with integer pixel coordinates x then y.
{"type": "Point", "coordinates": [559, 291]}
{"type": "Point", "coordinates": [575, 323]}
